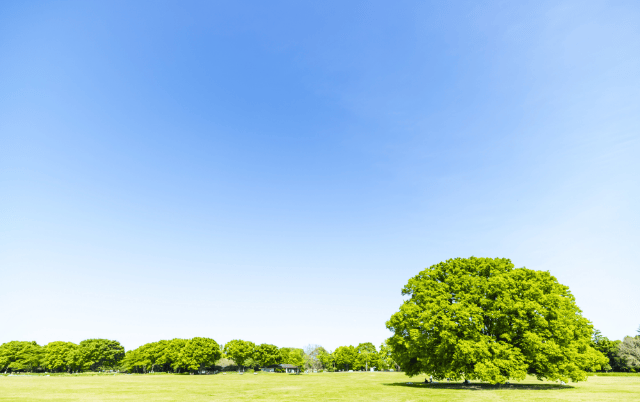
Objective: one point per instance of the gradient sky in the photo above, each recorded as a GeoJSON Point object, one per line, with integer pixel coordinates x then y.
{"type": "Point", "coordinates": [277, 171]}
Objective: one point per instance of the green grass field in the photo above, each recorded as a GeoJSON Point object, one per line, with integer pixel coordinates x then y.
{"type": "Point", "coordinates": [321, 386]}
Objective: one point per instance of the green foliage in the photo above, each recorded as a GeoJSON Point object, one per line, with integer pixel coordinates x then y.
{"type": "Point", "coordinates": [20, 356]}
{"type": "Point", "coordinates": [367, 356]}
{"type": "Point", "coordinates": [239, 350]}
{"type": "Point", "coordinates": [386, 358]}
{"type": "Point", "coordinates": [144, 358]}
{"type": "Point", "coordinates": [326, 359]}
{"type": "Point", "coordinates": [251, 363]}
{"type": "Point", "coordinates": [609, 349]}
{"type": "Point", "coordinates": [169, 355]}
{"type": "Point", "coordinates": [629, 353]}
{"type": "Point", "coordinates": [198, 353]}
{"type": "Point", "coordinates": [97, 354]}
{"type": "Point", "coordinates": [62, 356]}
{"type": "Point", "coordinates": [266, 354]}
{"type": "Point", "coordinates": [177, 354]}
{"type": "Point", "coordinates": [293, 356]}
{"type": "Point", "coordinates": [345, 357]}
{"type": "Point", "coordinates": [480, 318]}
{"type": "Point", "coordinates": [311, 360]}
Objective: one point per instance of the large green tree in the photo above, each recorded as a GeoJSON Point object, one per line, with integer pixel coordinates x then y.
{"type": "Point", "coordinates": [61, 356]}
{"type": "Point", "coordinates": [481, 318]}
{"type": "Point", "coordinates": [169, 353]}
{"type": "Point", "coordinates": [99, 354]}
{"type": "Point", "coordinates": [367, 356]}
{"type": "Point", "coordinates": [293, 356]}
{"type": "Point", "coordinates": [239, 351]}
{"type": "Point", "coordinates": [345, 357]}
{"type": "Point", "coordinates": [199, 352]}
{"type": "Point", "coordinates": [266, 354]}
{"type": "Point", "coordinates": [20, 356]}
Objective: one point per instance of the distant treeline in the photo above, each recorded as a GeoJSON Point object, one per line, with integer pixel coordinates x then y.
{"type": "Point", "coordinates": [624, 356]}
{"type": "Point", "coordinates": [185, 355]}
{"type": "Point", "coordinates": [204, 354]}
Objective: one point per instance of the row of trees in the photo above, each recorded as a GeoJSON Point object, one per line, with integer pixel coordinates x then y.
{"type": "Point", "coordinates": [89, 355]}
{"type": "Point", "coordinates": [188, 355]}
{"type": "Point", "coordinates": [185, 355]}
{"type": "Point", "coordinates": [176, 355]}
{"type": "Point", "coordinates": [362, 357]}
{"type": "Point", "coordinates": [624, 356]}
{"type": "Point", "coordinates": [179, 355]}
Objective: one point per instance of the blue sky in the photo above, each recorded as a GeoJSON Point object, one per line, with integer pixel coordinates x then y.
{"type": "Point", "coordinates": [277, 171]}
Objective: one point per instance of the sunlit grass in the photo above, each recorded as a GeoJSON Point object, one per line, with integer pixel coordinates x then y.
{"type": "Point", "coordinates": [321, 386]}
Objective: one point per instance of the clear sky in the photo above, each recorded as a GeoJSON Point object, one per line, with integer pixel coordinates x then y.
{"type": "Point", "coordinates": [277, 171]}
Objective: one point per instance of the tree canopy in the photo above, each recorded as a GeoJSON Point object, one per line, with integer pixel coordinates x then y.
{"type": "Point", "coordinates": [481, 318]}
{"type": "Point", "coordinates": [629, 352]}
{"type": "Point", "coordinates": [386, 357]}
{"type": "Point", "coordinates": [169, 355]}
{"type": "Point", "coordinates": [20, 355]}
{"type": "Point", "coordinates": [100, 353]}
{"type": "Point", "coordinates": [312, 356]}
{"type": "Point", "coordinates": [293, 356]}
{"type": "Point", "coordinates": [367, 356]}
{"type": "Point", "coordinates": [61, 356]}
{"type": "Point", "coordinates": [345, 357]}
{"type": "Point", "coordinates": [326, 359]}
{"type": "Point", "coordinates": [266, 354]}
{"type": "Point", "coordinates": [199, 352]}
{"type": "Point", "coordinates": [239, 351]}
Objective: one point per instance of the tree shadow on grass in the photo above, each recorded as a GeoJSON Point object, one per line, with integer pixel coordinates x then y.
{"type": "Point", "coordinates": [482, 386]}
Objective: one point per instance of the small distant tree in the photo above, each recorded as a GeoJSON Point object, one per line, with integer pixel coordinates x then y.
{"type": "Point", "coordinates": [155, 352]}
{"type": "Point", "coordinates": [345, 357]}
{"type": "Point", "coordinates": [267, 355]}
{"type": "Point", "coordinates": [169, 354]}
{"type": "Point", "coordinates": [60, 356]}
{"type": "Point", "coordinates": [608, 348]}
{"type": "Point", "coordinates": [367, 356]}
{"type": "Point", "coordinates": [224, 362]}
{"type": "Point", "coordinates": [239, 351]}
{"type": "Point", "coordinates": [199, 352]}
{"type": "Point", "coordinates": [293, 356]}
{"type": "Point", "coordinates": [629, 353]}
{"type": "Point", "coordinates": [141, 359]}
{"type": "Point", "coordinates": [327, 359]}
{"type": "Point", "coordinates": [30, 357]}
{"type": "Point", "coordinates": [132, 361]}
{"type": "Point", "coordinates": [311, 356]}
{"type": "Point", "coordinates": [100, 353]}
{"type": "Point", "coordinates": [252, 363]}
{"type": "Point", "coordinates": [386, 358]}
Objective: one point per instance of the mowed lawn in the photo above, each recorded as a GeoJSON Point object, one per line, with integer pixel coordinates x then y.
{"type": "Point", "coordinates": [321, 386]}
